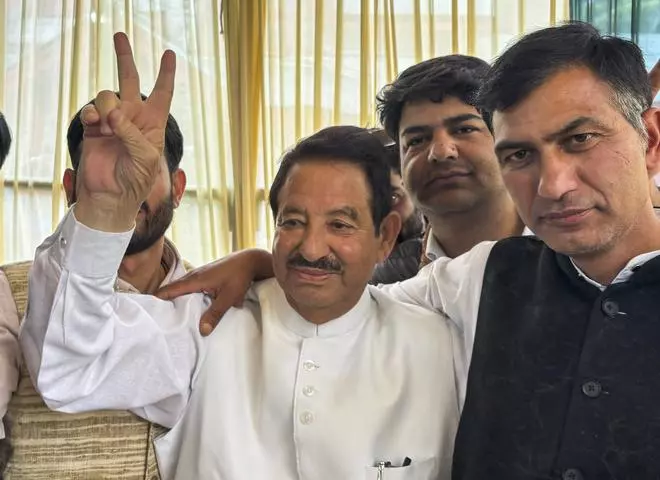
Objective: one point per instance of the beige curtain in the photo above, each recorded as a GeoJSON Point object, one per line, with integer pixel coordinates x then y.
{"type": "Point", "coordinates": [279, 69]}
{"type": "Point", "coordinates": [58, 54]}
{"type": "Point", "coordinates": [325, 60]}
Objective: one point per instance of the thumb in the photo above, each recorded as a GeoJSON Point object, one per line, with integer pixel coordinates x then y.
{"type": "Point", "coordinates": [212, 316]}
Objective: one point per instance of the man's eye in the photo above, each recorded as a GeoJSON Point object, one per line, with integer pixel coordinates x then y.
{"type": "Point", "coordinates": [582, 137]}
{"type": "Point", "coordinates": [580, 142]}
{"type": "Point", "coordinates": [289, 223]}
{"type": "Point", "coordinates": [465, 130]}
{"type": "Point", "coordinates": [414, 141]}
{"type": "Point", "coordinates": [517, 158]}
{"type": "Point", "coordinates": [396, 198]}
{"type": "Point", "coordinates": [340, 226]}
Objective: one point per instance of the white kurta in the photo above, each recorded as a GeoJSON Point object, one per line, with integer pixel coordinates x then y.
{"type": "Point", "coordinates": [279, 397]}
{"type": "Point", "coordinates": [273, 396]}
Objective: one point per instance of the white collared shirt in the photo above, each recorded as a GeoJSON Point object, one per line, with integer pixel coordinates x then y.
{"type": "Point", "coordinates": [273, 396]}
{"type": "Point", "coordinates": [434, 250]}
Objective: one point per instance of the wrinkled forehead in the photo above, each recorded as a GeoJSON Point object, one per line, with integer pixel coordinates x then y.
{"type": "Point", "coordinates": [561, 98]}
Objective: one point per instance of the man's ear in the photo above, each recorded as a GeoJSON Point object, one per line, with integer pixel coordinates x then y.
{"type": "Point", "coordinates": [178, 186]}
{"type": "Point", "coordinates": [651, 119]}
{"type": "Point", "coordinates": [389, 230]}
{"type": "Point", "coordinates": [69, 184]}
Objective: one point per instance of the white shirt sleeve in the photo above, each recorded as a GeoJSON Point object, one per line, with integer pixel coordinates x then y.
{"type": "Point", "coordinates": [453, 288]}
{"type": "Point", "coordinates": [9, 351]}
{"type": "Point", "coordinates": [88, 347]}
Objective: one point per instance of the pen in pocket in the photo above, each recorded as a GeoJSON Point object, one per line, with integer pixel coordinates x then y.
{"type": "Point", "coordinates": [383, 465]}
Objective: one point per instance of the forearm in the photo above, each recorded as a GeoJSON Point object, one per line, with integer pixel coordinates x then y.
{"type": "Point", "coordinates": [261, 262]}
{"type": "Point", "coordinates": [103, 216]}
{"type": "Point", "coordinates": [88, 347]}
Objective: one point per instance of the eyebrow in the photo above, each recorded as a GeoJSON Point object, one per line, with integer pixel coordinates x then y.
{"type": "Point", "coordinates": [288, 210]}
{"type": "Point", "coordinates": [447, 122]}
{"type": "Point", "coordinates": [572, 125]}
{"type": "Point", "coordinates": [566, 129]}
{"type": "Point", "coordinates": [349, 212]}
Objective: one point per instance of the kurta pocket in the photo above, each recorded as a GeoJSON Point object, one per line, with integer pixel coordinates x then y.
{"type": "Point", "coordinates": [417, 470]}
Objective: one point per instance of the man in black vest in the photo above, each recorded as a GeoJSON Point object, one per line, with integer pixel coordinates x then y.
{"type": "Point", "coordinates": [562, 378]}
{"type": "Point", "coordinates": [561, 334]}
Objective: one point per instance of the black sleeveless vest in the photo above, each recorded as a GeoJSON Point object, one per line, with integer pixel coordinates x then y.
{"type": "Point", "coordinates": [564, 381]}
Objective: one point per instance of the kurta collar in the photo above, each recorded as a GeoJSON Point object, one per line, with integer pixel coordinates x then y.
{"type": "Point", "coordinates": [272, 294]}
{"type": "Point", "coordinates": [433, 249]}
{"type": "Point", "coordinates": [624, 275]}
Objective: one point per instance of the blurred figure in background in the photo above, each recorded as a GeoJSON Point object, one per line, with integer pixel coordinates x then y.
{"type": "Point", "coordinates": [404, 260]}
{"type": "Point", "coordinates": [9, 349]}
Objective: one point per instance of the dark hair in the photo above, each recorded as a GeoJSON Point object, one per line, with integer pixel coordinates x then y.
{"type": "Point", "coordinates": [348, 144]}
{"type": "Point", "coordinates": [173, 140]}
{"type": "Point", "coordinates": [457, 76]}
{"type": "Point", "coordinates": [536, 56]}
{"type": "Point", "coordinates": [5, 139]}
{"type": "Point", "coordinates": [393, 158]}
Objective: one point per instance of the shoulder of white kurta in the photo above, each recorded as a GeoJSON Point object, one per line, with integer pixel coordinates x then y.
{"type": "Point", "coordinates": [405, 316]}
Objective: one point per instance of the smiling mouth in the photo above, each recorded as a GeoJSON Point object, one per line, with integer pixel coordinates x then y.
{"type": "Point", "coordinates": [312, 274]}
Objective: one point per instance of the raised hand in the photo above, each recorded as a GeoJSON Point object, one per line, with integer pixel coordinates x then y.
{"type": "Point", "coordinates": [123, 144]}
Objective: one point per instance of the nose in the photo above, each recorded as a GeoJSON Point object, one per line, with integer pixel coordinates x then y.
{"type": "Point", "coordinates": [314, 243]}
{"type": "Point", "coordinates": [443, 147]}
{"type": "Point", "coordinates": [558, 176]}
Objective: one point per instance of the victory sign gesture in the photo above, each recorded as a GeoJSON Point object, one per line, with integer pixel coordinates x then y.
{"type": "Point", "coordinates": [123, 144]}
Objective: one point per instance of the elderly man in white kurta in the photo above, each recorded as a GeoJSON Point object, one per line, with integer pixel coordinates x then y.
{"type": "Point", "coordinates": [315, 377]}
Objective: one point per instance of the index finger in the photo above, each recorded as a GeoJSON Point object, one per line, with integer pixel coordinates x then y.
{"type": "Point", "coordinates": [129, 79]}
{"type": "Point", "coordinates": [160, 98]}
{"type": "Point", "coordinates": [183, 286]}
{"type": "Point", "coordinates": [654, 77]}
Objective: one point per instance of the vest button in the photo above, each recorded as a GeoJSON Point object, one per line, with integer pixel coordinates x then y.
{"type": "Point", "coordinates": [592, 389]}
{"type": "Point", "coordinates": [572, 474]}
{"type": "Point", "coordinates": [610, 308]}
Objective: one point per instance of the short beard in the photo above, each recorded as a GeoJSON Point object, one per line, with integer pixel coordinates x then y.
{"type": "Point", "coordinates": [153, 227]}
{"type": "Point", "coordinates": [412, 227]}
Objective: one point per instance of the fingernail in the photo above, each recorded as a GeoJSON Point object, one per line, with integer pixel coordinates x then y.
{"type": "Point", "coordinates": [205, 329]}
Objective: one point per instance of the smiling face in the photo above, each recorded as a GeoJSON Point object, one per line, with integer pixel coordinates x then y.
{"type": "Point", "coordinates": [326, 244]}
{"type": "Point", "coordinates": [447, 155]}
{"type": "Point", "coordinates": [575, 167]}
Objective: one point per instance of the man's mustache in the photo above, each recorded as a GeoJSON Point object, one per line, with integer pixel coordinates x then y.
{"type": "Point", "coordinates": [326, 264]}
